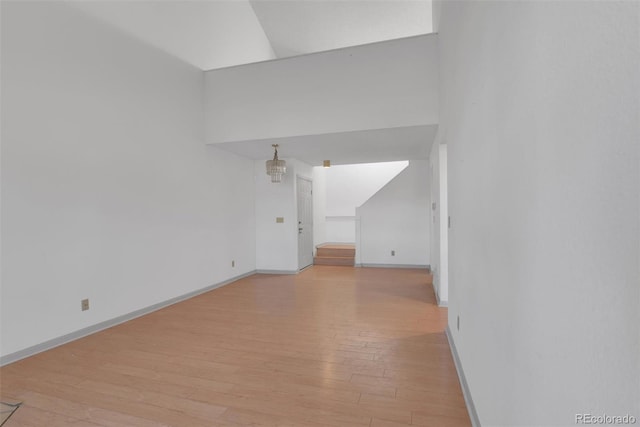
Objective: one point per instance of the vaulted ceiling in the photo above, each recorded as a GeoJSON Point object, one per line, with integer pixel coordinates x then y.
{"type": "Point", "coordinates": [300, 27]}
{"type": "Point", "coordinates": [219, 33]}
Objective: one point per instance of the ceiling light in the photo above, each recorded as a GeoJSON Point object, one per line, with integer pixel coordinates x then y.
{"type": "Point", "coordinates": [276, 168]}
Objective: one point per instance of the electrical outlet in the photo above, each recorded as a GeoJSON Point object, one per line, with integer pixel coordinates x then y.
{"type": "Point", "coordinates": [458, 322]}
{"type": "Point", "coordinates": [84, 304]}
{"type": "Point", "coordinates": [233, 263]}
{"type": "Point", "coordinates": [393, 253]}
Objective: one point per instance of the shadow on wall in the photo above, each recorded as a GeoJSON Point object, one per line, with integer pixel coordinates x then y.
{"type": "Point", "coordinates": [394, 223]}
{"type": "Point", "coordinates": [346, 188]}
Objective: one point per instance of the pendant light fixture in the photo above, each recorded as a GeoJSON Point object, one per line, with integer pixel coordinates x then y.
{"type": "Point", "coordinates": [276, 168]}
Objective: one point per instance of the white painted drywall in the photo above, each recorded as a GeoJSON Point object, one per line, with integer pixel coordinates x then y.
{"type": "Point", "coordinates": [341, 229]}
{"type": "Point", "coordinates": [277, 243]}
{"type": "Point", "coordinates": [438, 218]}
{"type": "Point", "coordinates": [349, 186]}
{"type": "Point", "coordinates": [442, 223]}
{"type": "Point", "coordinates": [541, 108]}
{"type": "Point", "coordinates": [319, 177]}
{"type": "Point", "coordinates": [299, 27]}
{"type": "Point", "coordinates": [108, 190]}
{"type": "Point", "coordinates": [436, 12]}
{"type": "Point", "coordinates": [381, 85]}
{"type": "Point", "coordinates": [397, 218]}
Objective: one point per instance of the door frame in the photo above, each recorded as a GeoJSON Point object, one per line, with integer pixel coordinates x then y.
{"type": "Point", "coordinates": [304, 178]}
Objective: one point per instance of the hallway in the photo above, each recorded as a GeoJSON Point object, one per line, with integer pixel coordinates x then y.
{"type": "Point", "coordinates": [332, 346]}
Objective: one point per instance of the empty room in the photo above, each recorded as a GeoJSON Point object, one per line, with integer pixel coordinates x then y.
{"type": "Point", "coordinates": [319, 213]}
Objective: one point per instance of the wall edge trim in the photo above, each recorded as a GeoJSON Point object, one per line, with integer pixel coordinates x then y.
{"type": "Point", "coordinates": [89, 330]}
{"type": "Point", "coordinates": [440, 302]}
{"type": "Point", "coordinates": [473, 415]}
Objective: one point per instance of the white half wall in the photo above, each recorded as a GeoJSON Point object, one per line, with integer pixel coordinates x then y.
{"type": "Point", "coordinates": [396, 219]}
{"type": "Point", "coordinates": [349, 186]}
{"type": "Point", "coordinates": [376, 86]}
{"type": "Point", "coordinates": [541, 113]}
{"type": "Point", "coordinates": [108, 189]}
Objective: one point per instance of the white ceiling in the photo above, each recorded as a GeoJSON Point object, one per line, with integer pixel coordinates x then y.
{"type": "Point", "coordinates": [213, 34]}
{"type": "Point", "coordinates": [206, 34]}
{"type": "Point", "coordinates": [299, 27]}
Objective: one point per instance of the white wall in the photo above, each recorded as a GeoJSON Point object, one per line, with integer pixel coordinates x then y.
{"type": "Point", "coordinates": [436, 12]}
{"type": "Point", "coordinates": [335, 91]}
{"type": "Point", "coordinates": [341, 229]}
{"type": "Point", "coordinates": [443, 226]}
{"type": "Point", "coordinates": [319, 177]}
{"type": "Point", "coordinates": [541, 113]}
{"type": "Point", "coordinates": [108, 190]}
{"type": "Point", "coordinates": [277, 243]}
{"type": "Point", "coordinates": [397, 218]}
{"type": "Point", "coordinates": [348, 186]}
{"type": "Point", "coordinates": [439, 241]}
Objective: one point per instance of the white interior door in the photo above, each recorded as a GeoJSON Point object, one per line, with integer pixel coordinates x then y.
{"type": "Point", "coordinates": [305, 222]}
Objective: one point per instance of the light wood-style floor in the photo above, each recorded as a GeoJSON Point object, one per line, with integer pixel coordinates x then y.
{"type": "Point", "coordinates": [332, 346]}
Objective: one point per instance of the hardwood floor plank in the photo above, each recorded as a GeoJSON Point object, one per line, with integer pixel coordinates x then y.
{"type": "Point", "coordinates": [34, 417]}
{"type": "Point", "coordinates": [95, 415]}
{"type": "Point", "coordinates": [331, 346]}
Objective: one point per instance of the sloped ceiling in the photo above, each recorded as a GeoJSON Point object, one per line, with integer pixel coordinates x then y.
{"type": "Point", "coordinates": [300, 27]}
{"type": "Point", "coordinates": [206, 34]}
{"type": "Point", "coordinates": [212, 34]}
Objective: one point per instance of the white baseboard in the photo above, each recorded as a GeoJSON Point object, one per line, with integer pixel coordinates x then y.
{"type": "Point", "coordinates": [423, 266]}
{"type": "Point", "coordinates": [473, 415]}
{"type": "Point", "coordinates": [55, 342]}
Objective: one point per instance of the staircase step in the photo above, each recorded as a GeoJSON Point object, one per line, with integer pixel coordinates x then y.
{"type": "Point", "coordinates": [335, 254]}
{"type": "Point", "coordinates": [336, 250]}
{"type": "Point", "coordinates": [333, 260]}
